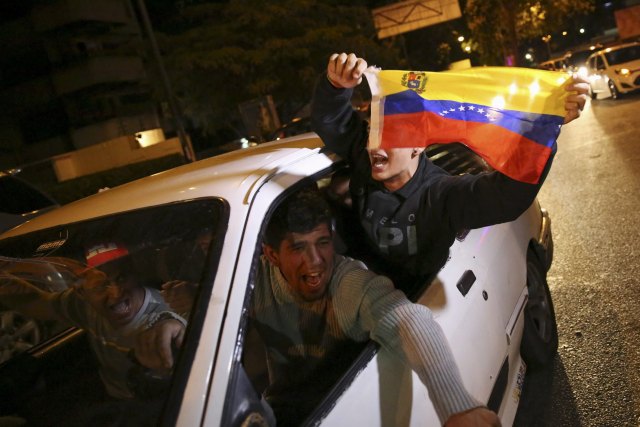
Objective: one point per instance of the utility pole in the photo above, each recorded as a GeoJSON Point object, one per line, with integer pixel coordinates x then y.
{"type": "Point", "coordinates": [185, 142]}
{"type": "Point", "coordinates": [547, 40]}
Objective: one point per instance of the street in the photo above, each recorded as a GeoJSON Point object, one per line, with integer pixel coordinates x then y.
{"type": "Point", "coordinates": [593, 196]}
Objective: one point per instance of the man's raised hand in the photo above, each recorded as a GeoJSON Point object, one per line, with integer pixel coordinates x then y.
{"type": "Point", "coordinates": [345, 70]}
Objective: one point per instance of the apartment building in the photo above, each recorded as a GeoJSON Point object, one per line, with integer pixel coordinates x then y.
{"type": "Point", "coordinates": [72, 75]}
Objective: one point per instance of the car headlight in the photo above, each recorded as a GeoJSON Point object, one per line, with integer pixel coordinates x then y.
{"type": "Point", "coordinates": [582, 72]}
{"type": "Point", "coordinates": [623, 71]}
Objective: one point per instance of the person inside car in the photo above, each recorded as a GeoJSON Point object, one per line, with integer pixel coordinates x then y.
{"type": "Point", "coordinates": [181, 290]}
{"type": "Point", "coordinates": [409, 209]}
{"type": "Point", "coordinates": [309, 304]}
{"type": "Point", "coordinates": [112, 308]}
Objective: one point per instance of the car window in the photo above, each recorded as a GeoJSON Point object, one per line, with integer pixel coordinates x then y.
{"type": "Point", "coordinates": [625, 54]}
{"type": "Point", "coordinates": [577, 59]}
{"type": "Point", "coordinates": [250, 380]}
{"type": "Point", "coordinates": [106, 278]}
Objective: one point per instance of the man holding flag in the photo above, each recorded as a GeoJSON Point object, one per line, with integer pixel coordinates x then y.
{"type": "Point", "coordinates": [411, 210]}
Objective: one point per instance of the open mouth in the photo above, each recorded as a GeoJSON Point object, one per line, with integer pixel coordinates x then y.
{"type": "Point", "coordinates": [121, 308]}
{"type": "Point", "coordinates": [312, 280]}
{"type": "Point", "coordinates": [378, 161]}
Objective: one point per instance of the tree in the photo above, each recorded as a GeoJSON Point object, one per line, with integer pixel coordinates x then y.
{"type": "Point", "coordinates": [219, 55]}
{"type": "Point", "coordinates": [499, 26]}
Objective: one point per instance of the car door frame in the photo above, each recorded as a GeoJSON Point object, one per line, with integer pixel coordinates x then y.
{"type": "Point", "coordinates": [227, 376]}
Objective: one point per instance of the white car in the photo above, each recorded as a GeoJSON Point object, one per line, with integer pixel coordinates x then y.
{"type": "Point", "coordinates": [554, 64]}
{"type": "Point", "coordinates": [614, 70]}
{"type": "Point", "coordinates": [491, 299]}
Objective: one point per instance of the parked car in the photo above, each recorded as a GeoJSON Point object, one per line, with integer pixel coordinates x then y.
{"type": "Point", "coordinates": [296, 126]}
{"type": "Point", "coordinates": [614, 70]}
{"type": "Point", "coordinates": [20, 201]}
{"type": "Point", "coordinates": [233, 145]}
{"type": "Point", "coordinates": [577, 58]}
{"type": "Point", "coordinates": [19, 333]}
{"type": "Point", "coordinates": [554, 64]}
{"type": "Point", "coordinates": [491, 298]}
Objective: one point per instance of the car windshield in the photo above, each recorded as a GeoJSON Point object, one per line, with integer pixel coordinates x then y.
{"type": "Point", "coordinates": [620, 56]}
{"type": "Point", "coordinates": [578, 59]}
{"type": "Point", "coordinates": [91, 287]}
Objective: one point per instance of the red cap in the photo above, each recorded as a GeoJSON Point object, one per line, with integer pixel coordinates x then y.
{"type": "Point", "coordinates": [104, 253]}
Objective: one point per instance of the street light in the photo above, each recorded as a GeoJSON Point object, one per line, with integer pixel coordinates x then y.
{"type": "Point", "coordinates": [547, 39]}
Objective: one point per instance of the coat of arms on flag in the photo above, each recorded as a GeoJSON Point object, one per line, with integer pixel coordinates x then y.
{"type": "Point", "coordinates": [414, 80]}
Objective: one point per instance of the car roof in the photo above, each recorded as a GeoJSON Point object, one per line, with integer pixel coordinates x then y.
{"type": "Point", "coordinates": [620, 46]}
{"type": "Point", "coordinates": [554, 59]}
{"type": "Point", "coordinates": [553, 62]}
{"type": "Point", "coordinates": [580, 54]}
{"type": "Point", "coordinates": [613, 47]}
{"type": "Point", "coordinates": [237, 174]}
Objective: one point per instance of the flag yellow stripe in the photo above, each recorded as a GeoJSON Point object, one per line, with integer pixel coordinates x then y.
{"type": "Point", "coordinates": [509, 88]}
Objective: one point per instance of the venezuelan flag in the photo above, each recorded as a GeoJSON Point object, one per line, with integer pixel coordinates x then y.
{"type": "Point", "coordinates": [509, 116]}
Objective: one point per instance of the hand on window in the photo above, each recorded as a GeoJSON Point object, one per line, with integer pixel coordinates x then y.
{"type": "Point", "coordinates": [179, 295]}
{"type": "Point", "coordinates": [154, 347]}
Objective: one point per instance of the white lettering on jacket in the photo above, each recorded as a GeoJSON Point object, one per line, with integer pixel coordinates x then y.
{"type": "Point", "coordinates": [393, 236]}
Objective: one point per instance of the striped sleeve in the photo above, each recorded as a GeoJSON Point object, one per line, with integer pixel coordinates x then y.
{"type": "Point", "coordinates": [410, 332]}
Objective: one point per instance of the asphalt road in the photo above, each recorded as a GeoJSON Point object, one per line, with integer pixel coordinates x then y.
{"type": "Point", "coordinates": [593, 196]}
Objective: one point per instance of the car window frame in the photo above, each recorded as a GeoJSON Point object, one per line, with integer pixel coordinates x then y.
{"type": "Point", "coordinates": [238, 381]}
{"type": "Point", "coordinates": [195, 326]}
{"type": "Point", "coordinates": [622, 55]}
{"type": "Point", "coordinates": [184, 360]}
{"type": "Point", "coordinates": [238, 374]}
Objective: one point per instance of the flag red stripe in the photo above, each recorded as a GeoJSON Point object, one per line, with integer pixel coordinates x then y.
{"type": "Point", "coordinates": [506, 151]}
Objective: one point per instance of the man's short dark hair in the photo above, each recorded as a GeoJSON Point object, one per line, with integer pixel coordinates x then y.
{"type": "Point", "coordinates": [299, 213]}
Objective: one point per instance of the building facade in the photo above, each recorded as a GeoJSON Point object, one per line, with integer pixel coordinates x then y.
{"type": "Point", "coordinates": [73, 76]}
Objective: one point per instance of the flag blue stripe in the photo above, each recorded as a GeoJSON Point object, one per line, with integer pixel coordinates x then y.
{"type": "Point", "coordinates": [540, 128]}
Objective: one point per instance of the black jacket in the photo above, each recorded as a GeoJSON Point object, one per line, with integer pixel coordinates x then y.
{"type": "Point", "coordinates": [412, 228]}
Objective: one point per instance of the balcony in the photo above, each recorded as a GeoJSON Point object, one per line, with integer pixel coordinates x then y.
{"type": "Point", "coordinates": [113, 128]}
{"type": "Point", "coordinates": [63, 13]}
{"type": "Point", "coordinates": [101, 70]}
